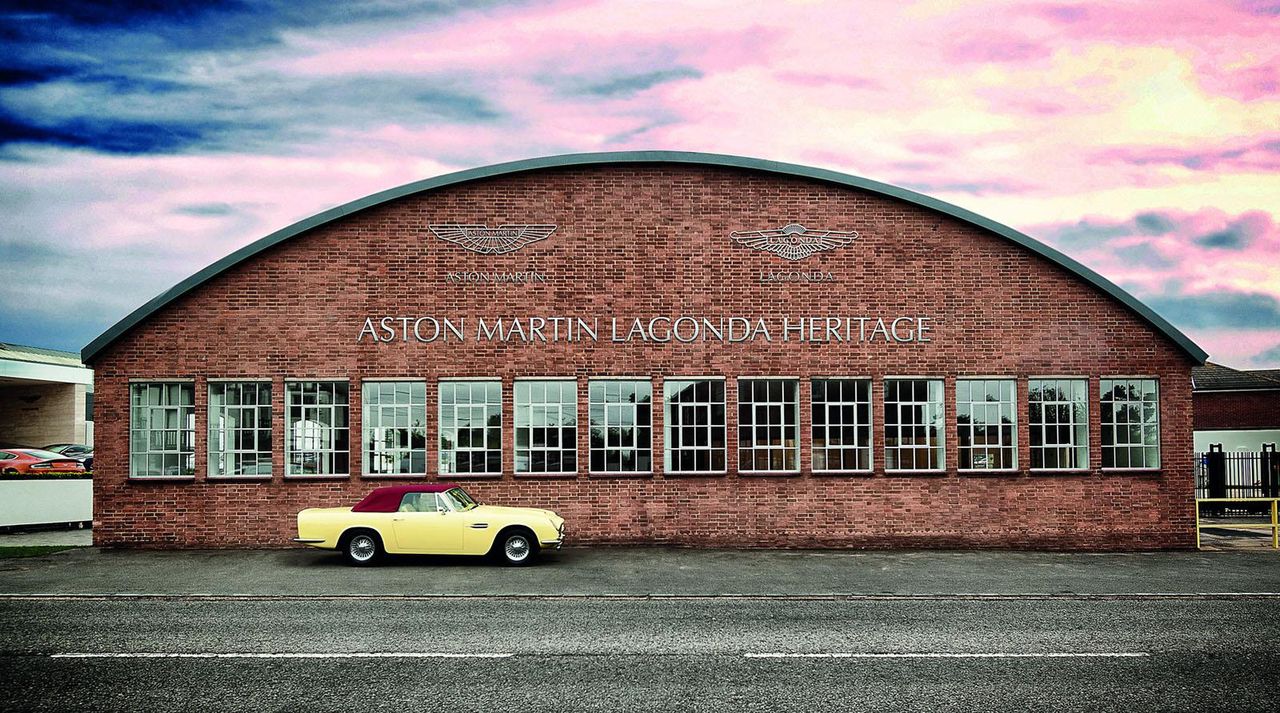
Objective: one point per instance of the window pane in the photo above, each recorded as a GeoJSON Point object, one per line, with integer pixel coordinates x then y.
{"type": "Point", "coordinates": [546, 426]}
{"type": "Point", "coordinates": [695, 425]}
{"type": "Point", "coordinates": [913, 424]}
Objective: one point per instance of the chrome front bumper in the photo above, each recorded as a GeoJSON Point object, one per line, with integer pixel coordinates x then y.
{"type": "Point", "coordinates": [556, 543]}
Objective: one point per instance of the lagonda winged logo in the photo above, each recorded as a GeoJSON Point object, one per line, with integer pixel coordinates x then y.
{"type": "Point", "coordinates": [492, 241]}
{"type": "Point", "coordinates": [794, 241]}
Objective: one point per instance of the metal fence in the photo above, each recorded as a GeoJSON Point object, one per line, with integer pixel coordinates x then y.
{"type": "Point", "coordinates": [1239, 474]}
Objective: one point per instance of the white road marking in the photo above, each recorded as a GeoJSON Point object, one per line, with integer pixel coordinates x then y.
{"type": "Point", "coordinates": [285, 655]}
{"type": "Point", "coordinates": [957, 655]}
{"type": "Point", "coordinates": [820, 597]}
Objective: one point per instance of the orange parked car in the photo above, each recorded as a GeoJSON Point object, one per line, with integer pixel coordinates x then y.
{"type": "Point", "coordinates": [33, 461]}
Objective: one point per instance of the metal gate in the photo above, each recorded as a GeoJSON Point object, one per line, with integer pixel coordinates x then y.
{"type": "Point", "coordinates": [1238, 474]}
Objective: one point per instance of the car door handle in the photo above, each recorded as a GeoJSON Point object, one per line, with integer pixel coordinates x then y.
{"type": "Point", "coordinates": [479, 525]}
{"type": "Point", "coordinates": [397, 519]}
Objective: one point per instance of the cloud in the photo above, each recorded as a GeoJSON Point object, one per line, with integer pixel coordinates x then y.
{"type": "Point", "coordinates": [1255, 311]}
{"type": "Point", "coordinates": [1267, 358]}
{"type": "Point", "coordinates": [630, 84]}
{"type": "Point", "coordinates": [1252, 155]}
{"type": "Point", "coordinates": [142, 124]}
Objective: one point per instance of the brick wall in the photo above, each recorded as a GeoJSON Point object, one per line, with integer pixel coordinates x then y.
{"type": "Point", "coordinates": [641, 240]}
{"type": "Point", "coordinates": [1227, 410]}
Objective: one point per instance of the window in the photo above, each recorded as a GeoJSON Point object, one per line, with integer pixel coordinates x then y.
{"type": "Point", "coordinates": [546, 426]}
{"type": "Point", "coordinates": [695, 425]}
{"type": "Point", "coordinates": [1059, 423]}
{"type": "Point", "coordinates": [471, 427]}
{"type": "Point", "coordinates": [162, 422]}
{"type": "Point", "coordinates": [913, 433]}
{"type": "Point", "coordinates": [986, 424]}
{"type": "Point", "coordinates": [1130, 423]}
{"type": "Point", "coordinates": [768, 425]}
{"type": "Point", "coordinates": [395, 427]}
{"type": "Point", "coordinates": [420, 502]}
{"type": "Point", "coordinates": [621, 426]}
{"type": "Point", "coordinates": [239, 428]}
{"type": "Point", "coordinates": [841, 425]}
{"type": "Point", "coordinates": [317, 433]}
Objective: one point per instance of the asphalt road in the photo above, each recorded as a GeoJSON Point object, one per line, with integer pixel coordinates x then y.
{"type": "Point", "coordinates": [696, 654]}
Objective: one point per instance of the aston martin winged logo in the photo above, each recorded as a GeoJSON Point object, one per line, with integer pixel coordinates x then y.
{"type": "Point", "coordinates": [794, 241]}
{"type": "Point", "coordinates": [492, 241]}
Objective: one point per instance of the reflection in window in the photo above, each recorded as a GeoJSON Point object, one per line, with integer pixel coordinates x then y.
{"type": "Point", "coordinates": [546, 426]}
{"type": "Point", "coordinates": [240, 428]}
{"type": "Point", "coordinates": [395, 427]}
{"type": "Point", "coordinates": [768, 425]}
{"type": "Point", "coordinates": [621, 426]}
{"type": "Point", "coordinates": [162, 424]}
{"type": "Point", "coordinates": [841, 425]}
{"type": "Point", "coordinates": [695, 425]}
{"type": "Point", "coordinates": [317, 432]}
{"type": "Point", "coordinates": [986, 424]}
{"type": "Point", "coordinates": [471, 427]}
{"type": "Point", "coordinates": [913, 435]}
{"type": "Point", "coordinates": [1058, 416]}
{"type": "Point", "coordinates": [1130, 423]}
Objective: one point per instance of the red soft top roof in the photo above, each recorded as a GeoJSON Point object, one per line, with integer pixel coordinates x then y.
{"type": "Point", "coordinates": [387, 499]}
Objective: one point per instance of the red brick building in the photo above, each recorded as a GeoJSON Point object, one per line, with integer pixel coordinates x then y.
{"type": "Point", "coordinates": [1239, 410]}
{"type": "Point", "coordinates": [663, 347]}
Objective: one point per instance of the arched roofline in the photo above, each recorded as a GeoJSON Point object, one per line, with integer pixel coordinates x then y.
{"type": "Point", "coordinates": [141, 314]}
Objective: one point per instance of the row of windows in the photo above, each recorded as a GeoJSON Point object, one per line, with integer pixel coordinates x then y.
{"type": "Point", "coordinates": [394, 441]}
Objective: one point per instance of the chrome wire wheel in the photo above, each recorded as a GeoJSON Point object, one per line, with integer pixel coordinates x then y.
{"type": "Point", "coordinates": [362, 548]}
{"type": "Point", "coordinates": [517, 548]}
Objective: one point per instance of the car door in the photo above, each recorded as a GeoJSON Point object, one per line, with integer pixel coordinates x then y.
{"type": "Point", "coordinates": [424, 525]}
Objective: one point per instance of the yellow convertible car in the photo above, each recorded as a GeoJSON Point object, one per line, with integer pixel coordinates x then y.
{"type": "Point", "coordinates": [429, 518]}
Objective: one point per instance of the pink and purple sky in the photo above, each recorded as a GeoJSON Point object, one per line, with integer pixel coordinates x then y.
{"type": "Point", "coordinates": [140, 141]}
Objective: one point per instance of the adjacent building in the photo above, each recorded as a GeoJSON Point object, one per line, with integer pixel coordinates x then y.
{"type": "Point", "coordinates": [1239, 410]}
{"type": "Point", "coordinates": [46, 397]}
{"type": "Point", "coordinates": [665, 348]}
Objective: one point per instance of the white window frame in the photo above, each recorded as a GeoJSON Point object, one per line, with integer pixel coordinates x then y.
{"type": "Point", "coordinates": [769, 404]}
{"type": "Point", "coordinates": [528, 387]}
{"type": "Point", "coordinates": [1003, 408]}
{"type": "Point", "coordinates": [940, 420]}
{"type": "Point", "coordinates": [184, 431]}
{"type": "Point", "coordinates": [1143, 426]}
{"type": "Point", "coordinates": [233, 453]}
{"type": "Point", "coordinates": [605, 406]}
{"type": "Point", "coordinates": [328, 433]}
{"type": "Point", "coordinates": [1075, 422]}
{"type": "Point", "coordinates": [375, 409]}
{"type": "Point", "coordinates": [827, 404]}
{"type": "Point", "coordinates": [448, 427]}
{"type": "Point", "coordinates": [668, 453]}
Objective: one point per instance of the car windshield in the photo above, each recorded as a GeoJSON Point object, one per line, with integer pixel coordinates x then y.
{"type": "Point", "coordinates": [458, 499]}
{"type": "Point", "coordinates": [38, 453]}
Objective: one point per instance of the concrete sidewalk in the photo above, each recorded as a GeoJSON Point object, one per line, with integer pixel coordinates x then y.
{"type": "Point", "coordinates": [634, 571]}
{"type": "Point", "coordinates": [71, 537]}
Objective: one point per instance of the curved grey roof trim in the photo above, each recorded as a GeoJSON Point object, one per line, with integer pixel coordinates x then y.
{"type": "Point", "coordinates": [685, 157]}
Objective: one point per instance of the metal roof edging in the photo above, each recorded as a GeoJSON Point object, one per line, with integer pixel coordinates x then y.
{"type": "Point", "coordinates": [686, 157]}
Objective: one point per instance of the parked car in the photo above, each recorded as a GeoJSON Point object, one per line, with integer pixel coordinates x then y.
{"type": "Point", "coordinates": [33, 461]}
{"type": "Point", "coordinates": [430, 518]}
{"type": "Point", "coordinates": [79, 451]}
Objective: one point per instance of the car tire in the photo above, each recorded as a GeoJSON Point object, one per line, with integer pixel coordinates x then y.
{"type": "Point", "coordinates": [516, 547]}
{"type": "Point", "coordinates": [362, 548]}
{"type": "Point", "coordinates": [10, 471]}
